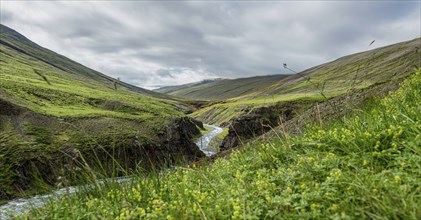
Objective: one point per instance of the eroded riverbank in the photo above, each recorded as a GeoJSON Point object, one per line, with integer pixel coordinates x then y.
{"type": "Point", "coordinates": [23, 205]}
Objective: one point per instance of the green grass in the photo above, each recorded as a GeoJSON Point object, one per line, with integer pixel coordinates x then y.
{"type": "Point", "coordinates": [17, 42]}
{"type": "Point", "coordinates": [364, 165]}
{"type": "Point", "coordinates": [67, 96]}
{"type": "Point", "coordinates": [206, 130]}
{"type": "Point", "coordinates": [223, 112]}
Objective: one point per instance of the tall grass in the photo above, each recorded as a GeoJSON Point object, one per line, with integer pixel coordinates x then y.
{"type": "Point", "coordinates": [367, 165]}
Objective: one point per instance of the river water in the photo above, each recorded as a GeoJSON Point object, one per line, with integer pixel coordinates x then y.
{"type": "Point", "coordinates": [23, 205]}
{"type": "Point", "coordinates": [204, 141]}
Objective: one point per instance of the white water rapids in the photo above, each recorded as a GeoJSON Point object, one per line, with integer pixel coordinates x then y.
{"type": "Point", "coordinates": [23, 205]}
{"type": "Point", "coordinates": [204, 141]}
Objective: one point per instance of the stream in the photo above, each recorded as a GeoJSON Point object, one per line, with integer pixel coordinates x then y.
{"type": "Point", "coordinates": [23, 205]}
{"type": "Point", "coordinates": [204, 141]}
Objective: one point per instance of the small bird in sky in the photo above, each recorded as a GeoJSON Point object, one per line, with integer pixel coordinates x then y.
{"type": "Point", "coordinates": [371, 42]}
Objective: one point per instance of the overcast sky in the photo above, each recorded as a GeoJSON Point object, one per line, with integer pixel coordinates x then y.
{"type": "Point", "coordinates": [160, 43]}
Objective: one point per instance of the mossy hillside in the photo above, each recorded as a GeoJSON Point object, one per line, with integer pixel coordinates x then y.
{"type": "Point", "coordinates": [341, 76]}
{"type": "Point", "coordinates": [226, 88]}
{"type": "Point", "coordinates": [168, 89]}
{"type": "Point", "coordinates": [222, 113]}
{"type": "Point", "coordinates": [65, 95]}
{"type": "Point", "coordinates": [365, 165]}
{"type": "Point", "coordinates": [14, 40]}
{"type": "Point", "coordinates": [218, 114]}
{"type": "Point", "coordinates": [354, 71]}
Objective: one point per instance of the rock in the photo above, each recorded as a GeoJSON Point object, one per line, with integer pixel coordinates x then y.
{"type": "Point", "coordinates": [179, 135]}
{"type": "Point", "coordinates": [3, 195]}
{"type": "Point", "coordinates": [256, 123]}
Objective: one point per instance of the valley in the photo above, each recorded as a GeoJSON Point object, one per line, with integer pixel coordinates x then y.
{"type": "Point", "coordinates": [332, 140]}
{"type": "Point", "coordinates": [266, 102]}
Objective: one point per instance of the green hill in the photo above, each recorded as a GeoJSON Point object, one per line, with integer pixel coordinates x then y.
{"type": "Point", "coordinates": [52, 107]}
{"type": "Point", "coordinates": [13, 41]}
{"type": "Point", "coordinates": [169, 89]}
{"type": "Point", "coordinates": [341, 76]}
{"type": "Point", "coordinates": [221, 89]}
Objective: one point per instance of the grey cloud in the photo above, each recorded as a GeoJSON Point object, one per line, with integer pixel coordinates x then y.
{"type": "Point", "coordinates": [6, 16]}
{"type": "Point", "coordinates": [162, 43]}
{"type": "Point", "coordinates": [164, 73]}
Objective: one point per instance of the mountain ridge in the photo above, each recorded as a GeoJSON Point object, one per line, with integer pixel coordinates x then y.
{"type": "Point", "coordinates": [169, 89]}
{"type": "Point", "coordinates": [43, 53]}
{"type": "Point", "coordinates": [221, 89]}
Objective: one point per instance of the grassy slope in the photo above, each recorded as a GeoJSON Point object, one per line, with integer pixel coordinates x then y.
{"type": "Point", "coordinates": [12, 39]}
{"type": "Point", "coordinates": [69, 95]}
{"type": "Point", "coordinates": [365, 165]}
{"type": "Point", "coordinates": [49, 83]}
{"type": "Point", "coordinates": [225, 88]}
{"type": "Point", "coordinates": [351, 72]}
{"type": "Point", "coordinates": [169, 89]}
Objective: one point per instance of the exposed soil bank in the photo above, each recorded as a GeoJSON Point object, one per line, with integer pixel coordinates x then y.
{"type": "Point", "coordinates": [260, 121]}
{"type": "Point", "coordinates": [23, 205]}
{"type": "Point", "coordinates": [291, 117]}
{"type": "Point", "coordinates": [38, 151]}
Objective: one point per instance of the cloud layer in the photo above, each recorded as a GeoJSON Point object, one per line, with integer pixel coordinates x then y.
{"type": "Point", "coordinates": [159, 43]}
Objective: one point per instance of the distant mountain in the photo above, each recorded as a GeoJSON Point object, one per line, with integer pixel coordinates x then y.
{"type": "Point", "coordinates": [221, 89]}
{"type": "Point", "coordinates": [169, 89]}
